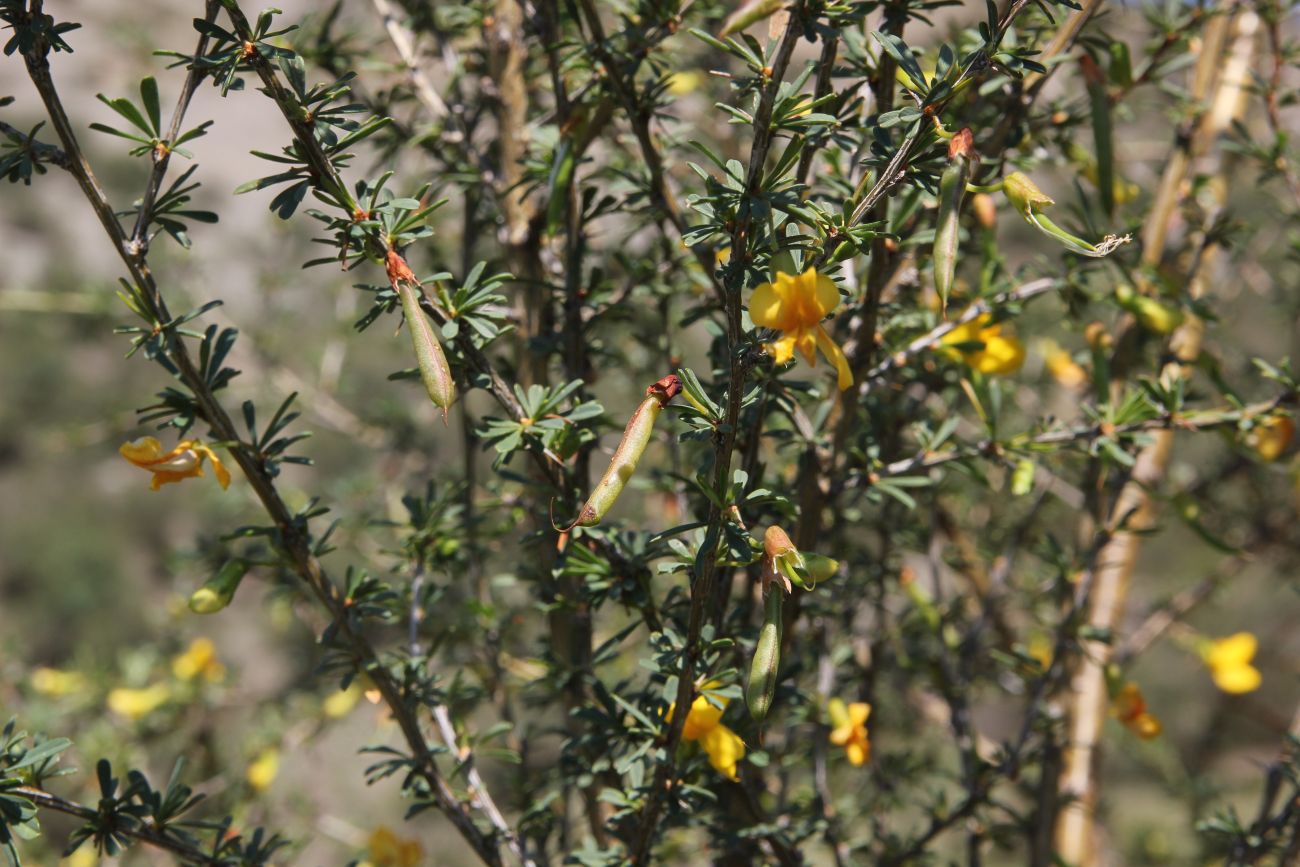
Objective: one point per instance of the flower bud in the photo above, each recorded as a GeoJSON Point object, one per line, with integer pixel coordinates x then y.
{"type": "Point", "coordinates": [1097, 336]}
{"type": "Point", "coordinates": [220, 589]}
{"type": "Point", "coordinates": [1271, 436]}
{"type": "Point", "coordinates": [986, 210]}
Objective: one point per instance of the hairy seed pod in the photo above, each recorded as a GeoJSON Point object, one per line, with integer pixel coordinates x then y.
{"type": "Point", "coordinates": [952, 190]}
{"type": "Point", "coordinates": [434, 371]}
{"type": "Point", "coordinates": [217, 592]}
{"type": "Point", "coordinates": [636, 436]}
{"type": "Point", "coordinates": [761, 685]}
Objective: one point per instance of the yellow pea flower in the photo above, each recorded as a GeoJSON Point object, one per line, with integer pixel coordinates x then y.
{"type": "Point", "coordinates": [1131, 708]}
{"type": "Point", "coordinates": [1229, 662]}
{"type": "Point", "coordinates": [386, 849]}
{"type": "Point", "coordinates": [185, 461]}
{"type": "Point", "coordinates": [849, 729]}
{"type": "Point", "coordinates": [1062, 366]}
{"type": "Point", "coordinates": [704, 726]}
{"type": "Point", "coordinates": [1002, 354]}
{"type": "Point", "coordinates": [199, 659]}
{"type": "Point", "coordinates": [1271, 436]}
{"type": "Point", "coordinates": [340, 703]}
{"type": "Point", "coordinates": [263, 770]}
{"type": "Point", "coordinates": [137, 703]}
{"type": "Point", "coordinates": [682, 83]}
{"type": "Point", "coordinates": [795, 305]}
{"type": "Point", "coordinates": [57, 683]}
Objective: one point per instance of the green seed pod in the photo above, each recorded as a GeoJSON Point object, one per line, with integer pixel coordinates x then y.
{"type": "Point", "coordinates": [434, 371]}
{"type": "Point", "coordinates": [761, 685]}
{"type": "Point", "coordinates": [952, 190]}
{"type": "Point", "coordinates": [636, 436]}
{"type": "Point", "coordinates": [217, 592]}
{"type": "Point", "coordinates": [1151, 313]}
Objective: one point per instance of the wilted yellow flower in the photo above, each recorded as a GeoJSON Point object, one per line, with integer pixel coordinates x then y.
{"type": "Point", "coordinates": [263, 770]}
{"type": "Point", "coordinates": [1062, 366]}
{"type": "Point", "coordinates": [1001, 355]}
{"type": "Point", "coordinates": [185, 461]}
{"type": "Point", "coordinates": [199, 659]}
{"type": "Point", "coordinates": [795, 305]}
{"type": "Point", "coordinates": [386, 849]}
{"type": "Point", "coordinates": [704, 725]}
{"type": "Point", "coordinates": [682, 83]}
{"type": "Point", "coordinates": [136, 703]}
{"type": "Point", "coordinates": [1271, 436]}
{"type": "Point", "coordinates": [340, 704]}
{"type": "Point", "coordinates": [1131, 708]}
{"type": "Point", "coordinates": [1229, 661]}
{"type": "Point", "coordinates": [56, 683]}
{"type": "Point", "coordinates": [849, 729]}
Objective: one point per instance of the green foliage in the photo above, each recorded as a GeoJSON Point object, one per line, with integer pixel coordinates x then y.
{"type": "Point", "coordinates": [592, 212]}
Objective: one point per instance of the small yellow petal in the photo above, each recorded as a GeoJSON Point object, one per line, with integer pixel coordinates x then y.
{"type": "Point", "coordinates": [806, 342]}
{"type": "Point", "coordinates": [263, 769]}
{"type": "Point", "coordinates": [766, 306]}
{"type": "Point", "coordinates": [1238, 648]}
{"type": "Point", "coordinates": [826, 295]}
{"type": "Point", "coordinates": [782, 350]}
{"type": "Point", "coordinates": [724, 748]}
{"type": "Point", "coordinates": [1237, 679]}
{"type": "Point", "coordinates": [136, 703]}
{"type": "Point", "coordinates": [835, 355]}
{"type": "Point", "coordinates": [858, 752]}
{"type": "Point", "coordinates": [1001, 356]}
{"type": "Point", "coordinates": [142, 452]}
{"type": "Point", "coordinates": [858, 713]}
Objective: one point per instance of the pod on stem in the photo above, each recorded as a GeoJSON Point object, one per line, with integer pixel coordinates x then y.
{"type": "Point", "coordinates": [636, 436]}
{"type": "Point", "coordinates": [952, 190]}
{"type": "Point", "coordinates": [1032, 203]}
{"type": "Point", "coordinates": [217, 592]}
{"type": "Point", "coordinates": [429, 358]}
{"type": "Point", "coordinates": [761, 685]}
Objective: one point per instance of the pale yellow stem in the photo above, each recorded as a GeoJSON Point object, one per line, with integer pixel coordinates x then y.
{"type": "Point", "coordinates": [1134, 509]}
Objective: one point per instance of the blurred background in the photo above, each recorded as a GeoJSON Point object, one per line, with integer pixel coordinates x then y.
{"type": "Point", "coordinates": [95, 639]}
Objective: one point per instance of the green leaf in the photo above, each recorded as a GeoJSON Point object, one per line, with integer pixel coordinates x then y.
{"type": "Point", "coordinates": [149, 95]}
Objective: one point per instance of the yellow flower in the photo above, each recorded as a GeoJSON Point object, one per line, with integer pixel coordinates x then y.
{"type": "Point", "coordinates": [1062, 366]}
{"type": "Point", "coordinates": [682, 83]}
{"type": "Point", "coordinates": [704, 725]}
{"type": "Point", "coordinates": [386, 849]}
{"type": "Point", "coordinates": [1041, 650]}
{"type": "Point", "coordinates": [199, 659]}
{"type": "Point", "coordinates": [795, 306]}
{"type": "Point", "coordinates": [183, 462]}
{"type": "Point", "coordinates": [56, 683]}
{"type": "Point", "coordinates": [1131, 708]}
{"type": "Point", "coordinates": [262, 771]}
{"type": "Point", "coordinates": [340, 704]}
{"type": "Point", "coordinates": [1002, 354]}
{"type": "Point", "coordinates": [1271, 436]}
{"type": "Point", "coordinates": [849, 729]}
{"type": "Point", "coordinates": [1229, 662]}
{"type": "Point", "coordinates": [136, 703]}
